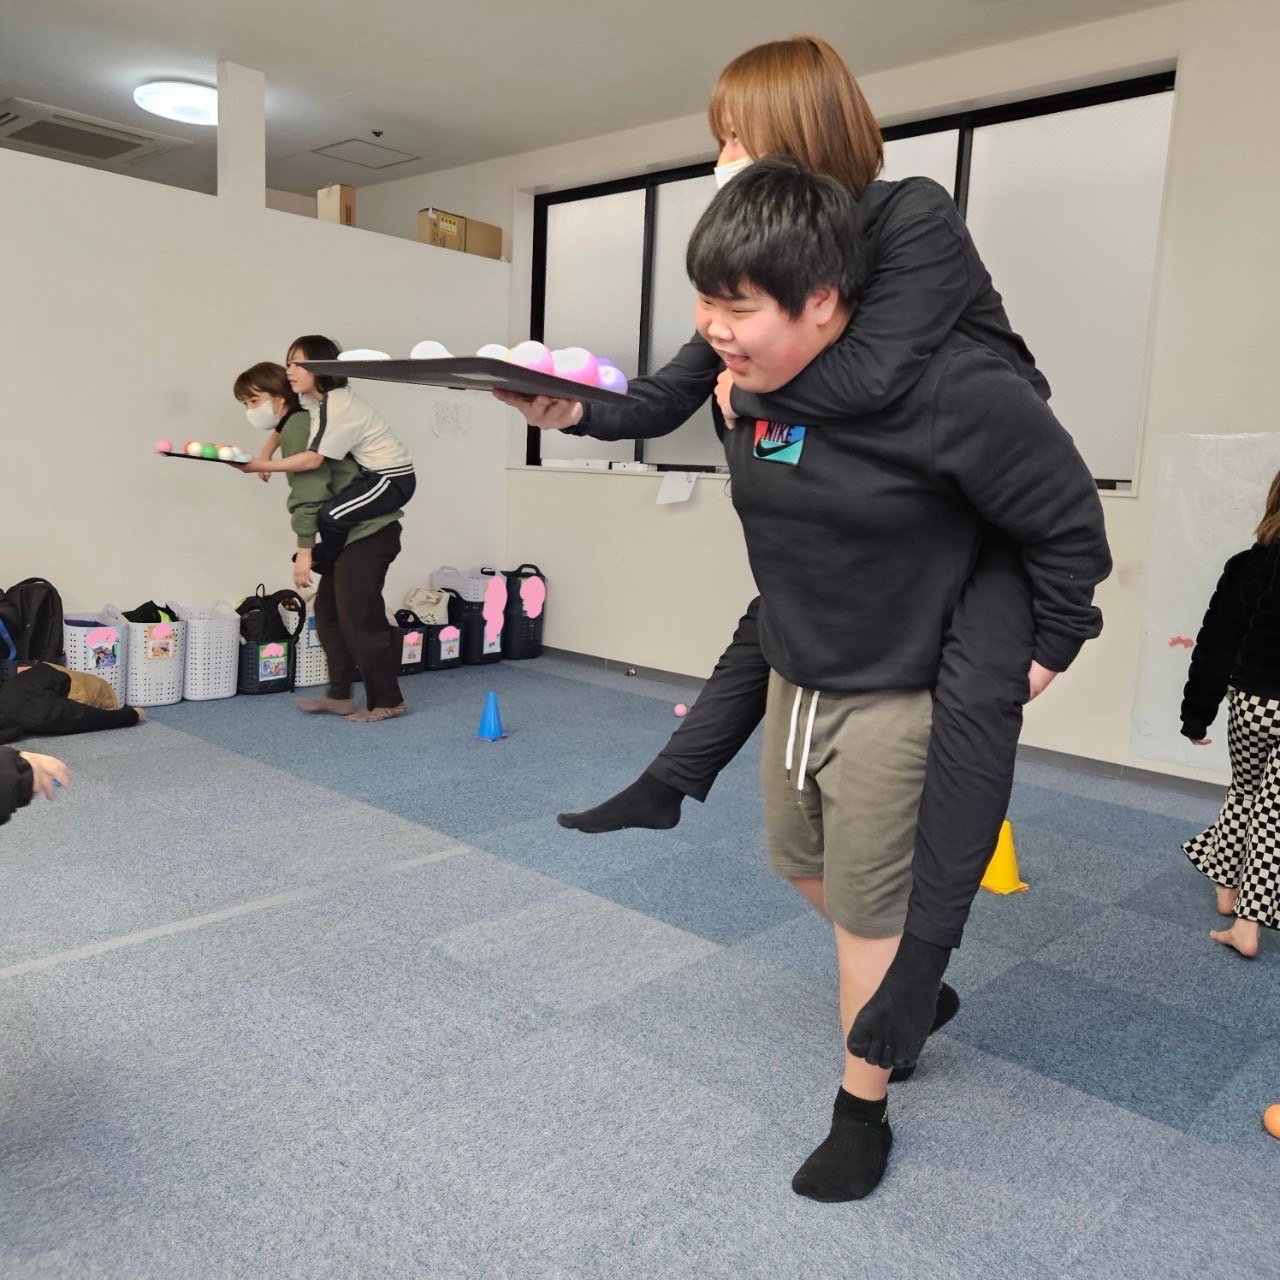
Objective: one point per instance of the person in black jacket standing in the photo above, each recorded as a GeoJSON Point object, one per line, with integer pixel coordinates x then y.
{"type": "Point", "coordinates": [1237, 656]}
{"type": "Point", "coordinates": [925, 282]}
{"type": "Point", "coordinates": [26, 774]}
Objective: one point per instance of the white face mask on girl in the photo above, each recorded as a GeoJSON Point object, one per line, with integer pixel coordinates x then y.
{"type": "Point", "coordinates": [731, 170]}
{"type": "Point", "coordinates": [263, 416]}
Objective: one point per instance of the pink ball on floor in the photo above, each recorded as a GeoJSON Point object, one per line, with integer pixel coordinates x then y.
{"type": "Point", "coordinates": [681, 709]}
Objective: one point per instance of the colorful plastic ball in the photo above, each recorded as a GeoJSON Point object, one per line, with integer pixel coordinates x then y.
{"type": "Point", "coordinates": [226, 453]}
{"type": "Point", "coordinates": [577, 364]}
{"type": "Point", "coordinates": [362, 353]}
{"type": "Point", "coordinates": [494, 351]}
{"type": "Point", "coordinates": [1271, 1119]}
{"type": "Point", "coordinates": [208, 450]}
{"type": "Point", "coordinates": [194, 449]}
{"type": "Point", "coordinates": [532, 355]}
{"type": "Point", "coordinates": [430, 351]}
{"type": "Point", "coordinates": [610, 378]}
{"type": "Point", "coordinates": [681, 709]}
{"type": "Point", "coordinates": [164, 446]}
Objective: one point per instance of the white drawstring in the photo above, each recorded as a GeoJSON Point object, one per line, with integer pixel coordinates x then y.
{"type": "Point", "coordinates": [808, 742]}
{"type": "Point", "coordinates": [808, 737]}
{"type": "Point", "coordinates": [791, 737]}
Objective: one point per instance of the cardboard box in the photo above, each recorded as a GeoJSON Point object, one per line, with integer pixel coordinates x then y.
{"type": "Point", "coordinates": [453, 231]}
{"type": "Point", "coordinates": [337, 204]}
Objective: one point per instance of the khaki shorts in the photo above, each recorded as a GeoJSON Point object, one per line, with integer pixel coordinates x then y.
{"type": "Point", "coordinates": [852, 823]}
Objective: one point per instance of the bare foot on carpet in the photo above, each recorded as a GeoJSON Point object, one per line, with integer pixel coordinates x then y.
{"type": "Point", "coordinates": [378, 713]}
{"type": "Point", "coordinates": [326, 705]}
{"type": "Point", "coordinates": [1226, 896]}
{"type": "Point", "coordinates": [1242, 936]}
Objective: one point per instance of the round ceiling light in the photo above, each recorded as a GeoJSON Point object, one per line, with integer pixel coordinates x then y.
{"type": "Point", "coordinates": [177, 100]}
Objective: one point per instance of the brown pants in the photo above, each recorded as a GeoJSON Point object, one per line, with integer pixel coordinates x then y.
{"type": "Point", "coordinates": [352, 620]}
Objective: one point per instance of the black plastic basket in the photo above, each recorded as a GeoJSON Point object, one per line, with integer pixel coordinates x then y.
{"type": "Point", "coordinates": [525, 612]}
{"type": "Point", "coordinates": [410, 633]}
{"type": "Point", "coordinates": [267, 672]}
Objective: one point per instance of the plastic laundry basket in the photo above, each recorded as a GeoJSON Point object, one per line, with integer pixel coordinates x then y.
{"type": "Point", "coordinates": [213, 650]}
{"type": "Point", "coordinates": [312, 667]}
{"type": "Point", "coordinates": [156, 663]}
{"type": "Point", "coordinates": [525, 612]}
{"type": "Point", "coordinates": [98, 643]}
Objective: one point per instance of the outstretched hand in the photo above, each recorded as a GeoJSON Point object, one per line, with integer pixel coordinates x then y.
{"type": "Point", "coordinates": [546, 412]}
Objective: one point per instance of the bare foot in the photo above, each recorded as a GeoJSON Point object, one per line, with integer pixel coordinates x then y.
{"type": "Point", "coordinates": [1226, 899]}
{"type": "Point", "coordinates": [378, 713]}
{"type": "Point", "coordinates": [326, 705]}
{"type": "Point", "coordinates": [1243, 936]}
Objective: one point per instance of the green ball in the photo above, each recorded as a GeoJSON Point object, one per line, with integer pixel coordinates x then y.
{"type": "Point", "coordinates": [208, 450]}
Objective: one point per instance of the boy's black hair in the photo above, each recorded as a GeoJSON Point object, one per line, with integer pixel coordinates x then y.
{"type": "Point", "coordinates": [782, 230]}
{"type": "Point", "coordinates": [315, 346]}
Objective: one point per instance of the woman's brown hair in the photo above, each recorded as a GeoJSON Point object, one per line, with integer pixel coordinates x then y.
{"type": "Point", "coordinates": [266, 379]}
{"type": "Point", "coordinates": [1269, 526]}
{"type": "Point", "coordinates": [797, 98]}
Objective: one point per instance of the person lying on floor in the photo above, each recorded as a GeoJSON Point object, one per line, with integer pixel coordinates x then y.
{"type": "Point", "coordinates": [47, 700]}
{"type": "Point", "coordinates": [26, 774]}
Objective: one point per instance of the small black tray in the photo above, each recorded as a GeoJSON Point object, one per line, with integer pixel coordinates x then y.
{"type": "Point", "coordinates": [191, 457]}
{"type": "Point", "coordinates": [468, 373]}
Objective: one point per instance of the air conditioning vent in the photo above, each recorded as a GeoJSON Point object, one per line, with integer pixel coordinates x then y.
{"type": "Point", "coordinates": [67, 135]}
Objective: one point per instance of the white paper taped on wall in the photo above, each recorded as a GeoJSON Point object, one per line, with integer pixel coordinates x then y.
{"type": "Point", "coordinates": [1208, 494]}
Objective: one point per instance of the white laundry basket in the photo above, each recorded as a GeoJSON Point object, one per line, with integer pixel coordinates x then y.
{"type": "Point", "coordinates": [156, 663]}
{"type": "Point", "coordinates": [98, 643]}
{"type": "Point", "coordinates": [213, 650]}
{"type": "Point", "coordinates": [313, 666]}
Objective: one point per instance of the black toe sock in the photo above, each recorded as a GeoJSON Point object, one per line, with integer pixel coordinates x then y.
{"type": "Point", "coordinates": [947, 1008]}
{"type": "Point", "coordinates": [891, 1028]}
{"type": "Point", "coordinates": [851, 1160]}
{"type": "Point", "coordinates": [647, 802]}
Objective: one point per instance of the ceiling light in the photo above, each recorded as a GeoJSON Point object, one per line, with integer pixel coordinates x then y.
{"type": "Point", "coordinates": [177, 100]}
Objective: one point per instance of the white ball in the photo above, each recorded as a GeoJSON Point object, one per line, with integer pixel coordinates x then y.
{"type": "Point", "coordinates": [193, 449]}
{"type": "Point", "coordinates": [226, 453]}
{"type": "Point", "coordinates": [239, 456]}
{"type": "Point", "coordinates": [494, 351]}
{"type": "Point", "coordinates": [363, 353]}
{"type": "Point", "coordinates": [429, 350]}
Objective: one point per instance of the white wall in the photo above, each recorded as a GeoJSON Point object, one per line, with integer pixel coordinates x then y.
{"type": "Point", "coordinates": [291, 202]}
{"type": "Point", "coordinates": [128, 309]}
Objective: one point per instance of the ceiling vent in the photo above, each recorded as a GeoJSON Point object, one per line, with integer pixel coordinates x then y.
{"type": "Point", "coordinates": [368, 155]}
{"type": "Point", "coordinates": [67, 135]}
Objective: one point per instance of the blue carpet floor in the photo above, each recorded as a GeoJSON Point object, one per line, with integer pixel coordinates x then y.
{"type": "Point", "coordinates": [283, 997]}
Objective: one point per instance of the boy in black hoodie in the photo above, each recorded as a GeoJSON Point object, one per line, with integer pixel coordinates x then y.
{"type": "Point", "coordinates": [860, 541]}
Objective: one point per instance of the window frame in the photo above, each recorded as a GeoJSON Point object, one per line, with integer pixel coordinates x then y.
{"type": "Point", "coordinates": [963, 123]}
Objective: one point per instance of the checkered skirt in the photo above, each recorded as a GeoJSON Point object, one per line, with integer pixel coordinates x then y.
{"type": "Point", "coordinates": [1242, 848]}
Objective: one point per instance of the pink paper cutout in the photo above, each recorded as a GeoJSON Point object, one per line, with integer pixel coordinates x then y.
{"type": "Point", "coordinates": [449, 633]}
{"type": "Point", "coordinates": [533, 591]}
{"type": "Point", "coordinates": [102, 636]}
{"type": "Point", "coordinates": [413, 637]}
{"type": "Point", "coordinates": [272, 651]}
{"type": "Point", "coordinates": [1182, 642]}
{"type": "Point", "coordinates": [162, 631]}
{"type": "Point", "coordinates": [495, 602]}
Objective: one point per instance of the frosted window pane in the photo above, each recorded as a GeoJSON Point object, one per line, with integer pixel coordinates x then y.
{"type": "Point", "coordinates": [930, 155]}
{"type": "Point", "coordinates": [680, 205]}
{"type": "Point", "coordinates": [1065, 210]}
{"type": "Point", "coordinates": [594, 253]}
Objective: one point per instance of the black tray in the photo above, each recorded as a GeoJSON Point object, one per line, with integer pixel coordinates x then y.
{"type": "Point", "coordinates": [191, 457]}
{"type": "Point", "coordinates": [468, 373]}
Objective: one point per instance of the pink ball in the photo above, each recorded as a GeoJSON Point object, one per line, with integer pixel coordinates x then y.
{"type": "Point", "coordinates": [577, 364]}
{"type": "Point", "coordinates": [532, 355]}
{"type": "Point", "coordinates": [164, 446]}
{"type": "Point", "coordinates": [610, 378]}
{"type": "Point", "coordinates": [681, 709]}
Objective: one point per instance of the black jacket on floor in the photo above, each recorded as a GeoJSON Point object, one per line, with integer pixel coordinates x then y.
{"type": "Point", "coordinates": [35, 702]}
{"type": "Point", "coordinates": [1239, 642]}
{"type": "Point", "coordinates": [15, 783]}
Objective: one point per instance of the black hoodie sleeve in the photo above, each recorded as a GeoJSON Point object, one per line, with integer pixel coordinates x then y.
{"type": "Point", "coordinates": [16, 781]}
{"type": "Point", "coordinates": [1011, 458]}
{"type": "Point", "coordinates": [669, 398]}
{"type": "Point", "coordinates": [1221, 633]}
{"type": "Point", "coordinates": [36, 702]}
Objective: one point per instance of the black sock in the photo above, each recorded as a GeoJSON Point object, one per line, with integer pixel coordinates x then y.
{"type": "Point", "coordinates": [851, 1160]}
{"type": "Point", "coordinates": [891, 1028]}
{"type": "Point", "coordinates": [947, 1008]}
{"type": "Point", "coordinates": [647, 802]}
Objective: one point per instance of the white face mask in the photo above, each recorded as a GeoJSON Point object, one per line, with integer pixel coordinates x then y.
{"type": "Point", "coordinates": [731, 170]}
{"type": "Point", "coordinates": [263, 416]}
